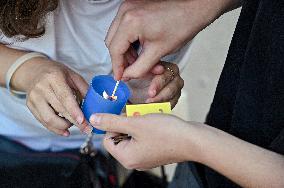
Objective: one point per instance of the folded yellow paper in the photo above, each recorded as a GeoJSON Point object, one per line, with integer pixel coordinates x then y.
{"type": "Point", "coordinates": [143, 109]}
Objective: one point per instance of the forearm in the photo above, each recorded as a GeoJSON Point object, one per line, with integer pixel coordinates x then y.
{"type": "Point", "coordinates": [223, 6]}
{"type": "Point", "coordinates": [22, 78]}
{"type": "Point", "coordinates": [208, 12]}
{"type": "Point", "coordinates": [244, 163]}
{"type": "Point", "coordinates": [216, 8]}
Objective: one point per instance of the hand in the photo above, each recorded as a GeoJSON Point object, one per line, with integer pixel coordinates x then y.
{"type": "Point", "coordinates": [52, 97]}
{"type": "Point", "coordinates": [162, 87]}
{"type": "Point", "coordinates": [156, 139]}
{"type": "Point", "coordinates": [162, 139]}
{"type": "Point", "coordinates": [161, 27]}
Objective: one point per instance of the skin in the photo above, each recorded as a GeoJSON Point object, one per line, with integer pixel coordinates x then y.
{"type": "Point", "coordinates": [154, 23]}
{"type": "Point", "coordinates": [53, 89]}
{"type": "Point", "coordinates": [163, 139]}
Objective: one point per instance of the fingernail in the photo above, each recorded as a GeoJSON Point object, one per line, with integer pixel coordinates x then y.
{"type": "Point", "coordinates": [95, 120]}
{"type": "Point", "coordinates": [80, 119]}
{"type": "Point", "coordinates": [88, 130]}
{"type": "Point", "coordinates": [66, 134]}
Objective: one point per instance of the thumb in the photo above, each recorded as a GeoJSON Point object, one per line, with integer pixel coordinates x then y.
{"type": "Point", "coordinates": [80, 84]}
{"type": "Point", "coordinates": [113, 123]}
{"type": "Point", "coordinates": [158, 69]}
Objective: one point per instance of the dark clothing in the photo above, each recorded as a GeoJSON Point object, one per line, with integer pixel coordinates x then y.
{"type": "Point", "coordinates": [21, 167]}
{"type": "Point", "coordinates": [249, 100]}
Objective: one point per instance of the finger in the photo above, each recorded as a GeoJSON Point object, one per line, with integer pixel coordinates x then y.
{"type": "Point", "coordinates": [159, 82]}
{"type": "Point", "coordinates": [158, 69]}
{"type": "Point", "coordinates": [130, 57]}
{"type": "Point", "coordinates": [58, 107]}
{"type": "Point", "coordinates": [174, 101]}
{"type": "Point", "coordinates": [112, 30]}
{"type": "Point", "coordinates": [168, 92]}
{"type": "Point", "coordinates": [119, 45]}
{"type": "Point", "coordinates": [149, 57]}
{"type": "Point", "coordinates": [47, 117]}
{"type": "Point", "coordinates": [80, 84]}
{"type": "Point", "coordinates": [124, 7]}
{"type": "Point", "coordinates": [113, 123]}
{"type": "Point", "coordinates": [65, 95]}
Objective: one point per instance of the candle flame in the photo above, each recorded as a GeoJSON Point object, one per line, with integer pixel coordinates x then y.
{"type": "Point", "coordinates": [107, 97]}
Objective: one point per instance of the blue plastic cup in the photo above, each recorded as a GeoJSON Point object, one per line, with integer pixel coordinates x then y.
{"type": "Point", "coordinates": [95, 103]}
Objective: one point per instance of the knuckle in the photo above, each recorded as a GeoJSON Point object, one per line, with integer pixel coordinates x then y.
{"type": "Point", "coordinates": [138, 75]}
{"type": "Point", "coordinates": [54, 76]}
{"type": "Point", "coordinates": [131, 18]}
{"type": "Point", "coordinates": [61, 111]}
{"type": "Point", "coordinates": [47, 120]}
{"type": "Point", "coordinates": [124, 6]}
{"type": "Point", "coordinates": [112, 50]}
{"type": "Point", "coordinates": [68, 101]}
{"type": "Point", "coordinates": [65, 126]}
{"type": "Point", "coordinates": [58, 108]}
{"type": "Point", "coordinates": [32, 96]}
{"type": "Point", "coordinates": [39, 87]}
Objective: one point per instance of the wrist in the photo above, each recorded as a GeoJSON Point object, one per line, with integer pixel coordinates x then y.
{"type": "Point", "coordinates": [25, 75]}
{"type": "Point", "coordinates": [195, 147]}
{"type": "Point", "coordinates": [208, 10]}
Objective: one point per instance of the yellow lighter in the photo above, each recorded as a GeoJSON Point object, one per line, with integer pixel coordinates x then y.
{"type": "Point", "coordinates": [143, 109]}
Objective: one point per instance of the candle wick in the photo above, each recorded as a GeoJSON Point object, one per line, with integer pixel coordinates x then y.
{"type": "Point", "coordinates": [115, 88]}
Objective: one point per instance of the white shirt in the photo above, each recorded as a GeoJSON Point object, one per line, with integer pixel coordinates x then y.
{"type": "Point", "coordinates": [75, 34]}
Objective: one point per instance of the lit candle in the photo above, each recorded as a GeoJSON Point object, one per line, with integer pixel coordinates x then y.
{"type": "Point", "coordinates": [97, 99]}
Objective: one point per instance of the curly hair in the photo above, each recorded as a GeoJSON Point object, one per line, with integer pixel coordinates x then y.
{"type": "Point", "coordinates": [24, 18]}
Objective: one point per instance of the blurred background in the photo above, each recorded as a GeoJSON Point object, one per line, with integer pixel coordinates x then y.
{"type": "Point", "coordinates": [205, 62]}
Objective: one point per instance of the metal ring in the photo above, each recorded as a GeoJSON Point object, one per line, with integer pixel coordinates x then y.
{"type": "Point", "coordinates": [172, 73]}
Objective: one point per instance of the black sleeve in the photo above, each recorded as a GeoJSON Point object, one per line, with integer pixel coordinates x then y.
{"type": "Point", "coordinates": [278, 143]}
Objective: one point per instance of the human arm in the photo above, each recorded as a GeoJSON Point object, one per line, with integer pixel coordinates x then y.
{"type": "Point", "coordinates": [161, 27]}
{"type": "Point", "coordinates": [162, 139]}
{"type": "Point", "coordinates": [50, 88]}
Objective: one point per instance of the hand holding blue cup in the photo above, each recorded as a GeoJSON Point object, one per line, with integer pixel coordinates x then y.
{"type": "Point", "coordinates": [94, 101]}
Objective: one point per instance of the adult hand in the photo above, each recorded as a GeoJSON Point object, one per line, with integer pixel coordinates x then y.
{"type": "Point", "coordinates": [157, 139]}
{"type": "Point", "coordinates": [162, 139]}
{"type": "Point", "coordinates": [52, 97]}
{"type": "Point", "coordinates": [160, 26]}
{"type": "Point", "coordinates": [164, 87]}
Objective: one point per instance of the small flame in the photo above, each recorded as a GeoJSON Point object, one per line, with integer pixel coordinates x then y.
{"type": "Point", "coordinates": [107, 97]}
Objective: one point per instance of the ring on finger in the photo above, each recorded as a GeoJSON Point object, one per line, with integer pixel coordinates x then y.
{"type": "Point", "coordinates": [172, 73]}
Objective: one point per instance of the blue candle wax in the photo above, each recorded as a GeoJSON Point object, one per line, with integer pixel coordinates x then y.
{"type": "Point", "coordinates": [95, 103]}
